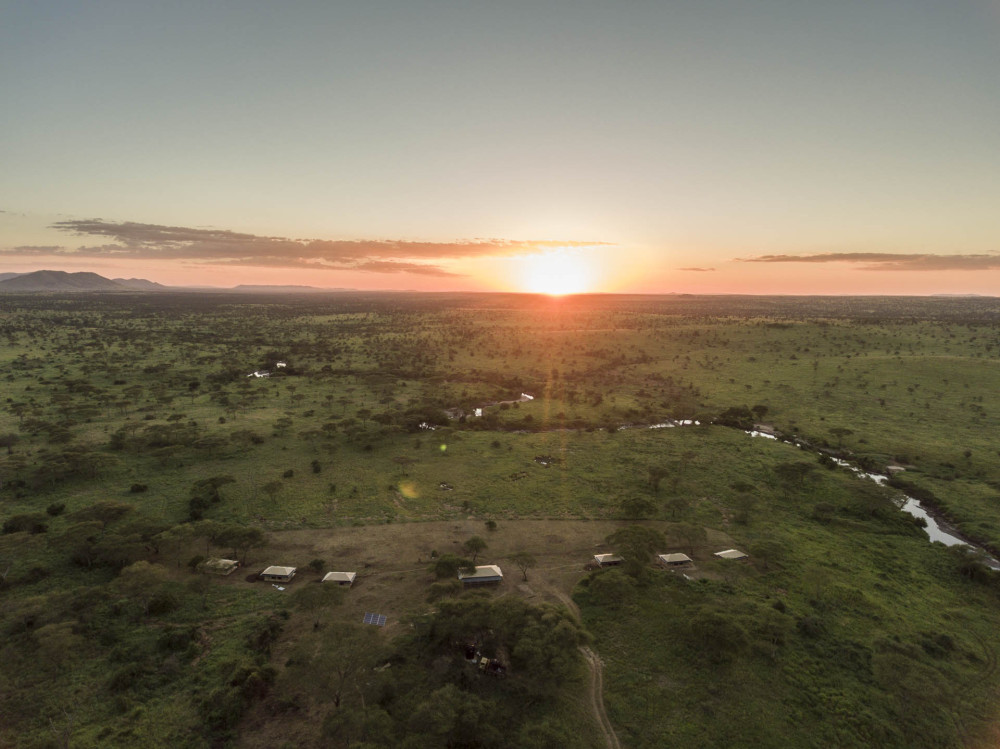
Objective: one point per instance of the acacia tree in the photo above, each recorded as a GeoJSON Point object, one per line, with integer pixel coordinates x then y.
{"type": "Point", "coordinates": [636, 544]}
{"type": "Point", "coordinates": [689, 535]}
{"type": "Point", "coordinates": [840, 433]}
{"type": "Point", "coordinates": [141, 582]}
{"type": "Point", "coordinates": [241, 539]}
{"type": "Point", "coordinates": [475, 545]}
{"type": "Point", "coordinates": [637, 507]}
{"type": "Point", "coordinates": [524, 561]}
{"type": "Point", "coordinates": [448, 565]}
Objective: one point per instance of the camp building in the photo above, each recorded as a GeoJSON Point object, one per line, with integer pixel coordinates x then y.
{"type": "Point", "coordinates": [487, 574]}
{"type": "Point", "coordinates": [674, 560]}
{"type": "Point", "coordinates": [731, 554]}
{"type": "Point", "coordinates": [608, 560]}
{"type": "Point", "coordinates": [278, 574]}
{"type": "Point", "coordinates": [340, 578]}
{"type": "Point", "coordinates": [219, 566]}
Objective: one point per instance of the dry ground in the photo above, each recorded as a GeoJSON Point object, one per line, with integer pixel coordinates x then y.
{"type": "Point", "coordinates": [392, 562]}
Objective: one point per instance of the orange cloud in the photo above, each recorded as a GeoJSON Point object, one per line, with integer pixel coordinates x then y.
{"type": "Point", "coordinates": [889, 261]}
{"type": "Point", "coordinates": [131, 240]}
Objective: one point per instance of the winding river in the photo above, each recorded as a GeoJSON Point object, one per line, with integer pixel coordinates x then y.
{"type": "Point", "coordinates": [934, 529]}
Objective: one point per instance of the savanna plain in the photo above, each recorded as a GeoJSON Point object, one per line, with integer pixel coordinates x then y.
{"type": "Point", "coordinates": [406, 437]}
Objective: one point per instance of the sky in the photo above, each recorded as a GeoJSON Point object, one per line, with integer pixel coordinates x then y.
{"type": "Point", "coordinates": [709, 146]}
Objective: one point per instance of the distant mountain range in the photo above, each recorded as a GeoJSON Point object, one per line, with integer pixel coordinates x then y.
{"type": "Point", "coordinates": [59, 280]}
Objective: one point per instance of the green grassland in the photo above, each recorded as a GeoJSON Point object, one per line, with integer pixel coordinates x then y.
{"type": "Point", "coordinates": [130, 426]}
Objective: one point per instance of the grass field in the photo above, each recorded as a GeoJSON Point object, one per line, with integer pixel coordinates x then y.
{"type": "Point", "coordinates": [132, 440]}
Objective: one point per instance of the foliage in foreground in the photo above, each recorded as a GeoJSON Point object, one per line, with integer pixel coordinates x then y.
{"type": "Point", "coordinates": [425, 691]}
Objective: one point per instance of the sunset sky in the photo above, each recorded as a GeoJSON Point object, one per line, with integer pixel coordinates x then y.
{"type": "Point", "coordinates": [709, 146]}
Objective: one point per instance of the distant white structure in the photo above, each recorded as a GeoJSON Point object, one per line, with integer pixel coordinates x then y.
{"type": "Point", "coordinates": [278, 574]}
{"type": "Point", "coordinates": [731, 554]}
{"type": "Point", "coordinates": [280, 365]}
{"type": "Point", "coordinates": [340, 578]}
{"type": "Point", "coordinates": [487, 574]}
{"type": "Point", "coordinates": [478, 412]}
{"type": "Point", "coordinates": [260, 373]}
{"type": "Point", "coordinates": [608, 560]}
{"type": "Point", "coordinates": [674, 560]}
{"type": "Point", "coordinates": [526, 397]}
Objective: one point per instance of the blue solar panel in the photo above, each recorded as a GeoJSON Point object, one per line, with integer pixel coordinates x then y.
{"type": "Point", "coordinates": [376, 619]}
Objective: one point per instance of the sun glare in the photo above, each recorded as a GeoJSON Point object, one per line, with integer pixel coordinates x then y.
{"type": "Point", "coordinates": [557, 273]}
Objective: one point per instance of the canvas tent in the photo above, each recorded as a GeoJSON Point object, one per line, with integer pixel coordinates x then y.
{"type": "Point", "coordinates": [674, 560]}
{"type": "Point", "coordinates": [219, 566]}
{"type": "Point", "coordinates": [608, 560]}
{"type": "Point", "coordinates": [278, 574]}
{"type": "Point", "coordinates": [340, 578]}
{"type": "Point", "coordinates": [731, 554]}
{"type": "Point", "coordinates": [486, 574]}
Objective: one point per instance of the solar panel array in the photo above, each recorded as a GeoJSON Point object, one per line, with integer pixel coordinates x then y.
{"type": "Point", "coordinates": [376, 619]}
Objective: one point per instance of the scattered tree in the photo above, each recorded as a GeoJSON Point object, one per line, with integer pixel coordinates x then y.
{"type": "Point", "coordinates": [524, 561]}
{"type": "Point", "coordinates": [636, 544]}
{"type": "Point", "coordinates": [475, 545]}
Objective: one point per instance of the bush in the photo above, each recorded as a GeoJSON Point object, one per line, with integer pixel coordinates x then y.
{"type": "Point", "coordinates": [810, 626]}
{"type": "Point", "coordinates": [138, 488]}
{"type": "Point", "coordinates": [448, 565]}
{"type": "Point", "coordinates": [31, 522]}
{"type": "Point", "coordinates": [443, 589]}
{"type": "Point", "coordinates": [56, 509]}
{"type": "Point", "coordinates": [162, 603]}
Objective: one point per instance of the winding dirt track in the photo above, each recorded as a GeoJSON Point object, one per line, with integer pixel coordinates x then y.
{"type": "Point", "coordinates": [596, 678]}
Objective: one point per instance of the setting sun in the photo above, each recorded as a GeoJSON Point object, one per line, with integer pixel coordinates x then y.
{"type": "Point", "coordinates": [557, 273]}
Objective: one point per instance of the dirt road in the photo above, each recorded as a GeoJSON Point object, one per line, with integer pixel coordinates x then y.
{"type": "Point", "coordinates": [596, 688]}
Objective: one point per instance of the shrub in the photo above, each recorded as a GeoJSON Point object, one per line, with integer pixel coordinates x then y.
{"type": "Point", "coordinates": [31, 522]}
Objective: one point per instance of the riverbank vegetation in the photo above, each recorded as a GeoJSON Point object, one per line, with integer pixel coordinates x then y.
{"type": "Point", "coordinates": [134, 437]}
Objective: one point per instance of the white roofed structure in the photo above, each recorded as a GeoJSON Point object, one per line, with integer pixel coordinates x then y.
{"type": "Point", "coordinates": [278, 574]}
{"type": "Point", "coordinates": [673, 560]}
{"type": "Point", "coordinates": [731, 554]}
{"type": "Point", "coordinates": [608, 560]}
{"type": "Point", "coordinates": [483, 575]}
{"type": "Point", "coordinates": [340, 578]}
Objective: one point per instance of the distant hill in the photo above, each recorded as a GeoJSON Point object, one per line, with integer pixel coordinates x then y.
{"type": "Point", "coordinates": [140, 284]}
{"type": "Point", "coordinates": [59, 280]}
{"type": "Point", "coordinates": [5, 276]}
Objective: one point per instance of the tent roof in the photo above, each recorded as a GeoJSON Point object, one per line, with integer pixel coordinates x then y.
{"type": "Point", "coordinates": [606, 558]}
{"type": "Point", "coordinates": [279, 571]}
{"type": "Point", "coordinates": [674, 558]}
{"type": "Point", "coordinates": [339, 577]}
{"type": "Point", "coordinates": [483, 571]}
{"type": "Point", "coordinates": [731, 554]}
